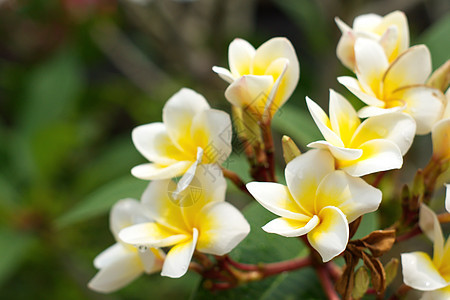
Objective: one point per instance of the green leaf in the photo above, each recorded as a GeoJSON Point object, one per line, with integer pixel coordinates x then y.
{"type": "Point", "coordinates": [368, 224]}
{"type": "Point", "coordinates": [437, 38]}
{"type": "Point", "coordinates": [51, 91]}
{"type": "Point", "coordinates": [117, 158]}
{"type": "Point", "coordinates": [100, 201]}
{"type": "Point", "coordinates": [14, 246]}
{"type": "Point", "coordinates": [297, 124]}
{"type": "Point", "coordinates": [263, 247]}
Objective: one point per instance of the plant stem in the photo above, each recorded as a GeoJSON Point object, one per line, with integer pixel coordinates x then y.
{"type": "Point", "coordinates": [410, 234]}
{"type": "Point", "coordinates": [269, 148]}
{"type": "Point", "coordinates": [326, 282]}
{"type": "Point", "coordinates": [238, 182]}
{"type": "Point", "coordinates": [378, 179]}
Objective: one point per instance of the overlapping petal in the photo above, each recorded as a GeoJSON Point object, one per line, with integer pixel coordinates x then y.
{"type": "Point", "coordinates": [276, 198]}
{"type": "Point", "coordinates": [420, 273]}
{"type": "Point", "coordinates": [179, 257]}
{"type": "Point", "coordinates": [291, 228]}
{"type": "Point", "coordinates": [378, 155]}
{"type": "Point", "coordinates": [240, 57]}
{"type": "Point", "coordinates": [124, 213]}
{"type": "Point", "coordinates": [353, 196]}
{"type": "Point", "coordinates": [222, 227]}
{"type": "Point", "coordinates": [152, 234]}
{"type": "Point", "coordinates": [118, 268]}
{"type": "Point", "coordinates": [152, 171]}
{"type": "Point", "coordinates": [330, 237]}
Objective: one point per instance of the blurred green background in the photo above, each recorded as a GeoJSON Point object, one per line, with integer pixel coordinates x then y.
{"type": "Point", "coordinates": [76, 76]}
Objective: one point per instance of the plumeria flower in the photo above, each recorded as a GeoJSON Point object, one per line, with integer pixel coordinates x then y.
{"type": "Point", "coordinates": [318, 201]}
{"type": "Point", "coordinates": [198, 218]}
{"type": "Point", "coordinates": [395, 87]}
{"type": "Point", "coordinates": [377, 144]}
{"type": "Point", "coordinates": [390, 32]}
{"type": "Point", "coordinates": [261, 80]}
{"type": "Point", "coordinates": [419, 270]}
{"type": "Point", "coordinates": [121, 263]}
{"type": "Point", "coordinates": [191, 134]}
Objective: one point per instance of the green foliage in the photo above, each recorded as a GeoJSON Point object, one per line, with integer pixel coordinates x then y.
{"type": "Point", "coordinates": [100, 201]}
{"type": "Point", "coordinates": [14, 246]}
{"type": "Point", "coordinates": [436, 38]}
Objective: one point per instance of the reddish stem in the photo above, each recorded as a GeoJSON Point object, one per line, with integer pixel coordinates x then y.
{"type": "Point", "coordinates": [326, 282]}
{"type": "Point", "coordinates": [269, 149]}
{"type": "Point", "coordinates": [378, 179]}
{"type": "Point", "coordinates": [238, 182]}
{"type": "Point", "coordinates": [410, 234]}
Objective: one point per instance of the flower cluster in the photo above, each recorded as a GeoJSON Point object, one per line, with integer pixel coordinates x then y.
{"type": "Point", "coordinates": [183, 216]}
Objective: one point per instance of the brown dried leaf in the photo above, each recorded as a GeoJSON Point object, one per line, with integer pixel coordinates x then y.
{"type": "Point", "coordinates": [379, 241]}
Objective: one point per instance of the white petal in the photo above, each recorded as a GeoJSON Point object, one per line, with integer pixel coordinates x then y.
{"type": "Point", "coordinates": [151, 235]}
{"type": "Point", "coordinates": [372, 111]}
{"type": "Point", "coordinates": [371, 63]}
{"type": "Point", "coordinates": [389, 41]}
{"type": "Point", "coordinates": [342, 26]}
{"type": "Point", "coordinates": [420, 273]}
{"type": "Point", "coordinates": [343, 118]}
{"type": "Point", "coordinates": [276, 198]}
{"type": "Point", "coordinates": [397, 19]}
{"type": "Point", "coordinates": [398, 128]}
{"type": "Point", "coordinates": [441, 139]}
{"type": "Point", "coordinates": [155, 171]}
{"type": "Point", "coordinates": [240, 57]}
{"type": "Point", "coordinates": [338, 152]}
{"type": "Point", "coordinates": [124, 213]}
{"type": "Point", "coordinates": [179, 257]}
{"type": "Point", "coordinates": [110, 254]}
{"type": "Point", "coordinates": [330, 237]}
{"type": "Point", "coordinates": [304, 174]}
{"type": "Point", "coordinates": [344, 49]}
{"type": "Point", "coordinates": [207, 186]}
{"type": "Point", "coordinates": [324, 124]}
{"type": "Point", "coordinates": [187, 177]}
{"type": "Point", "coordinates": [447, 197]}
{"type": "Point", "coordinates": [221, 228]}
{"type": "Point", "coordinates": [353, 196]}
{"type": "Point", "coordinates": [291, 228]}
{"type": "Point", "coordinates": [215, 127]}
{"type": "Point", "coordinates": [353, 86]}
{"type": "Point", "coordinates": [117, 274]}
{"type": "Point", "coordinates": [224, 74]}
{"type": "Point", "coordinates": [270, 51]}
{"type": "Point", "coordinates": [378, 155]}
{"type": "Point", "coordinates": [424, 104]}
{"type": "Point", "coordinates": [281, 89]}
{"type": "Point", "coordinates": [153, 142]}
{"type": "Point", "coordinates": [178, 113]}
{"type": "Point", "coordinates": [410, 68]}
{"type": "Point", "coordinates": [366, 22]}
{"type": "Point", "coordinates": [159, 205]}
{"type": "Point", "coordinates": [250, 91]}
{"type": "Point", "coordinates": [440, 294]}
{"type": "Point", "coordinates": [430, 225]}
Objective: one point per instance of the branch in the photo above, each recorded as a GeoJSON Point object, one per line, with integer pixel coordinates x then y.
{"type": "Point", "coordinates": [238, 182]}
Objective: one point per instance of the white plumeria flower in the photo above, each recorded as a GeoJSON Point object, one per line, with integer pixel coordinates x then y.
{"type": "Point", "coordinates": [263, 79]}
{"type": "Point", "coordinates": [419, 270]}
{"type": "Point", "coordinates": [390, 31]}
{"type": "Point", "coordinates": [377, 144]}
{"type": "Point", "coordinates": [395, 87]}
{"type": "Point", "coordinates": [197, 219]}
{"type": "Point", "coordinates": [191, 134]}
{"type": "Point", "coordinates": [121, 263]}
{"type": "Point", "coordinates": [318, 201]}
